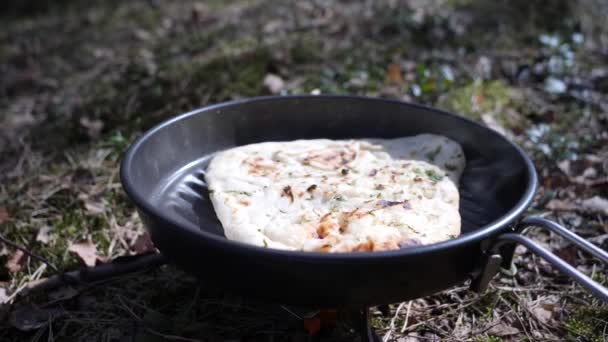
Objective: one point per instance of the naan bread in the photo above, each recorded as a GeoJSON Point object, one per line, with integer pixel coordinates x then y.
{"type": "Point", "coordinates": [337, 195]}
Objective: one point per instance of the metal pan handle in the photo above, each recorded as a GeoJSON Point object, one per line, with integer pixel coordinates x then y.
{"type": "Point", "coordinates": [494, 261]}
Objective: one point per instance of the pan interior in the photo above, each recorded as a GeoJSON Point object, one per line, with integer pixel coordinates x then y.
{"type": "Point", "coordinates": [168, 167]}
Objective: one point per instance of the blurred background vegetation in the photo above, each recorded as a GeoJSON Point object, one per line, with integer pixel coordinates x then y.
{"type": "Point", "coordinates": [80, 80]}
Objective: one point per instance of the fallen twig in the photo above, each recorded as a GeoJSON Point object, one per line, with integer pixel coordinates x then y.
{"type": "Point", "coordinates": [90, 275]}
{"type": "Point", "coordinates": [100, 273]}
{"type": "Point", "coordinates": [28, 253]}
{"type": "Point", "coordinates": [387, 336]}
{"type": "Point", "coordinates": [407, 316]}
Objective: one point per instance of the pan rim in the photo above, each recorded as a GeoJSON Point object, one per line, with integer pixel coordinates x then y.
{"type": "Point", "coordinates": [477, 235]}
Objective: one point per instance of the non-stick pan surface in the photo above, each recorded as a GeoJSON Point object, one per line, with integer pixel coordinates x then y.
{"type": "Point", "coordinates": [163, 173]}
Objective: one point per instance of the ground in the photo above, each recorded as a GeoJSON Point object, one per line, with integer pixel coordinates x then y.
{"type": "Point", "coordinates": [80, 80]}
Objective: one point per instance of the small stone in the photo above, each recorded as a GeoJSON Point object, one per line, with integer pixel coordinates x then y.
{"type": "Point", "coordinates": [555, 86]}
{"type": "Point", "coordinates": [274, 83]}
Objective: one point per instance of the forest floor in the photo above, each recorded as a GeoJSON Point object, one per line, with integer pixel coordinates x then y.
{"type": "Point", "coordinates": [80, 82]}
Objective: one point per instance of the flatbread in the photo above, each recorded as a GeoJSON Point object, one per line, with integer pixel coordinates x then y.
{"type": "Point", "coordinates": [339, 195]}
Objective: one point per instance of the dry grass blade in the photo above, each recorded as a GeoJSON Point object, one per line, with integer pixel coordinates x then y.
{"type": "Point", "coordinates": [391, 327]}
{"type": "Point", "coordinates": [407, 316]}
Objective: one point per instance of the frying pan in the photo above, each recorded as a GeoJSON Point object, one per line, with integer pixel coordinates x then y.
{"type": "Point", "coordinates": [163, 174]}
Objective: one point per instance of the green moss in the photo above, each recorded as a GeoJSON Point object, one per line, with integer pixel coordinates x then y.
{"type": "Point", "coordinates": [600, 278]}
{"type": "Point", "coordinates": [73, 225]}
{"type": "Point", "coordinates": [115, 142]}
{"type": "Point", "coordinates": [486, 304]}
{"type": "Point", "coordinates": [478, 98]}
{"type": "Point", "coordinates": [557, 141]}
{"type": "Point", "coordinates": [139, 98]}
{"type": "Point", "coordinates": [226, 77]}
{"type": "Point", "coordinates": [307, 49]}
{"type": "Point", "coordinates": [493, 98]}
{"type": "Point", "coordinates": [587, 324]}
{"type": "Point", "coordinates": [378, 321]}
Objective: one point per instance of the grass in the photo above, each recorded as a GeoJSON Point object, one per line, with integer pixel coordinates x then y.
{"type": "Point", "coordinates": [489, 339]}
{"type": "Point", "coordinates": [72, 102]}
{"type": "Point", "coordinates": [479, 97]}
{"type": "Point", "coordinates": [587, 324]}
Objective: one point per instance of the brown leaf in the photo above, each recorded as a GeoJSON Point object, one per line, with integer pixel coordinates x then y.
{"type": "Point", "coordinates": [86, 250]}
{"type": "Point", "coordinates": [16, 261]}
{"type": "Point", "coordinates": [567, 253]}
{"type": "Point", "coordinates": [596, 204]}
{"type": "Point", "coordinates": [502, 329]}
{"type": "Point", "coordinates": [393, 74]}
{"type": "Point", "coordinates": [556, 204]}
{"type": "Point", "coordinates": [142, 244]}
{"type": "Point", "coordinates": [555, 180]}
{"type": "Point", "coordinates": [4, 216]}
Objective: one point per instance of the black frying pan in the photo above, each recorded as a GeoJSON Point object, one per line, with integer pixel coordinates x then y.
{"type": "Point", "coordinates": [163, 174]}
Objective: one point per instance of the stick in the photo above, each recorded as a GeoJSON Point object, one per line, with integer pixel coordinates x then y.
{"type": "Point", "coordinates": [100, 273]}
{"type": "Point", "coordinates": [89, 275]}
{"type": "Point", "coordinates": [28, 253]}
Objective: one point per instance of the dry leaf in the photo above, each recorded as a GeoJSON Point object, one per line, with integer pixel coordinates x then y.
{"type": "Point", "coordinates": [429, 336]}
{"type": "Point", "coordinates": [273, 26]}
{"type": "Point", "coordinates": [390, 91]}
{"type": "Point", "coordinates": [568, 254]}
{"type": "Point", "coordinates": [461, 329]}
{"type": "Point", "coordinates": [93, 127]}
{"type": "Point", "coordinates": [411, 337]}
{"type": "Point", "coordinates": [541, 313]}
{"type": "Point", "coordinates": [142, 244]}
{"type": "Point", "coordinates": [4, 297]}
{"type": "Point", "coordinates": [86, 250]}
{"type": "Point", "coordinates": [596, 204]}
{"type": "Point", "coordinates": [95, 208]}
{"type": "Point", "coordinates": [393, 74]}
{"type": "Point", "coordinates": [502, 329]}
{"type": "Point", "coordinates": [43, 235]}
{"type": "Point", "coordinates": [556, 204]}
{"type": "Point", "coordinates": [92, 204]}
{"type": "Point", "coordinates": [16, 261]}
{"type": "Point", "coordinates": [584, 171]}
{"type": "Point", "coordinates": [564, 165]}
{"type": "Point", "coordinates": [3, 215]}
{"type": "Point", "coordinates": [274, 83]}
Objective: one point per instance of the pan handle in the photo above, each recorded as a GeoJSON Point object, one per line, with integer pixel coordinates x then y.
{"type": "Point", "coordinates": [535, 221]}
{"type": "Point", "coordinates": [504, 240]}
